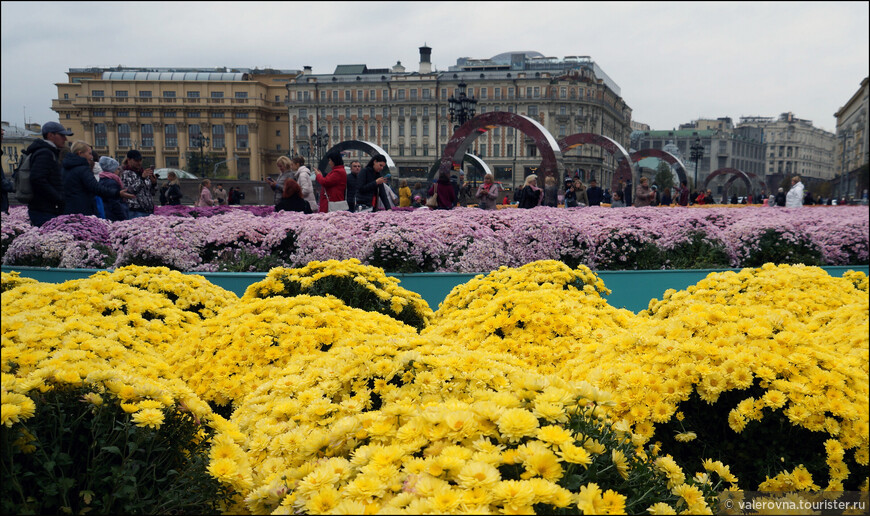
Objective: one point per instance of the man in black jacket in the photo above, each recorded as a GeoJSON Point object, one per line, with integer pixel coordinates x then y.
{"type": "Point", "coordinates": [594, 193]}
{"type": "Point", "coordinates": [45, 177]}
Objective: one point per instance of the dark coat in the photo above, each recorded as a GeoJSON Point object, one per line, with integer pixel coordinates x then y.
{"type": "Point", "coordinates": [529, 198]}
{"type": "Point", "coordinates": [80, 187]}
{"type": "Point", "coordinates": [446, 194]}
{"type": "Point", "coordinates": [46, 179]}
{"type": "Point", "coordinates": [114, 206]}
{"type": "Point", "coordinates": [595, 195]}
{"type": "Point", "coordinates": [367, 187]}
{"type": "Point", "coordinates": [293, 204]}
{"type": "Point", "coordinates": [352, 189]}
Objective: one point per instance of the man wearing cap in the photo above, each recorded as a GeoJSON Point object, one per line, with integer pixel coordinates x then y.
{"type": "Point", "coordinates": [141, 183]}
{"type": "Point", "coordinates": [46, 180]}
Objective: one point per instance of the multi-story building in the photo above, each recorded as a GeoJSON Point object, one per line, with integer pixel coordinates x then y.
{"type": "Point", "coordinates": [240, 113]}
{"type": "Point", "coordinates": [852, 150]}
{"type": "Point", "coordinates": [406, 113]}
{"type": "Point", "coordinates": [724, 147]}
{"type": "Point", "coordinates": [15, 140]}
{"type": "Point", "coordinates": [793, 146]}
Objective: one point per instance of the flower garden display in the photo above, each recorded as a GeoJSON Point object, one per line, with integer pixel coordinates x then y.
{"type": "Point", "coordinates": [329, 388]}
{"type": "Point", "coordinates": [460, 240]}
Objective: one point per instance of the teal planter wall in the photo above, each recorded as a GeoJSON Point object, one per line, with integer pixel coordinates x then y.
{"type": "Point", "coordinates": [632, 290]}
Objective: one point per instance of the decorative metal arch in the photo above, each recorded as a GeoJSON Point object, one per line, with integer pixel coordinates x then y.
{"type": "Point", "coordinates": [369, 148]}
{"type": "Point", "coordinates": [665, 156]}
{"type": "Point", "coordinates": [623, 171]}
{"type": "Point", "coordinates": [468, 158]}
{"type": "Point", "coordinates": [551, 156]}
{"type": "Point", "coordinates": [732, 171]}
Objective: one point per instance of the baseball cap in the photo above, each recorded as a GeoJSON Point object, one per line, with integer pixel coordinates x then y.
{"type": "Point", "coordinates": [54, 127]}
{"type": "Point", "coordinates": [134, 154]}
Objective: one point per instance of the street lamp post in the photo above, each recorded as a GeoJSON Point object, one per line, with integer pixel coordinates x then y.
{"type": "Point", "coordinates": [319, 141]}
{"type": "Point", "coordinates": [697, 153]}
{"type": "Point", "coordinates": [461, 108]}
{"type": "Point", "coordinates": [201, 141]}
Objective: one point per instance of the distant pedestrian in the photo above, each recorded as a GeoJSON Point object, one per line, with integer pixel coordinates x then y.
{"type": "Point", "coordinates": [142, 183]}
{"type": "Point", "coordinates": [172, 191]}
{"type": "Point", "coordinates": [594, 193]}
{"type": "Point", "coordinates": [645, 195]}
{"type": "Point", "coordinates": [334, 183]}
{"type": "Point", "coordinates": [531, 195]}
{"type": "Point", "coordinates": [683, 194]}
{"type": "Point", "coordinates": [205, 198]}
{"type": "Point", "coordinates": [666, 199]}
{"type": "Point", "coordinates": [115, 208]}
{"type": "Point", "coordinates": [46, 180]}
{"type": "Point", "coordinates": [617, 200]}
{"type": "Point", "coordinates": [79, 185]}
{"type": "Point", "coordinates": [305, 178]}
{"type": "Point", "coordinates": [795, 196]}
{"type": "Point", "coordinates": [291, 198]}
{"type": "Point", "coordinates": [488, 193]}
{"type": "Point", "coordinates": [551, 192]}
{"type": "Point", "coordinates": [285, 171]}
{"type": "Point", "coordinates": [352, 186]}
{"type": "Point", "coordinates": [779, 199]}
{"type": "Point", "coordinates": [404, 194]}
{"type": "Point", "coordinates": [370, 185]}
{"type": "Point", "coordinates": [220, 195]}
{"type": "Point", "coordinates": [446, 193]}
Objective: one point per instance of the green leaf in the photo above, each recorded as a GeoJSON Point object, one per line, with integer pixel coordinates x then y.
{"type": "Point", "coordinates": [111, 449]}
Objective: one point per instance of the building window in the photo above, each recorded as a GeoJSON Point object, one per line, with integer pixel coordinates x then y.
{"type": "Point", "coordinates": [413, 149]}
{"type": "Point", "coordinates": [360, 133]}
{"type": "Point", "coordinates": [359, 95]}
{"type": "Point", "coordinates": [563, 110]}
{"type": "Point", "coordinates": [386, 112]}
{"type": "Point", "coordinates": [242, 114]}
{"type": "Point", "coordinates": [193, 94]}
{"type": "Point", "coordinates": [303, 130]}
{"type": "Point", "coordinates": [563, 93]}
{"type": "Point", "coordinates": [510, 92]}
{"type": "Point", "coordinates": [145, 114]}
{"type": "Point", "coordinates": [414, 111]}
{"type": "Point", "coordinates": [241, 136]}
{"type": "Point", "coordinates": [444, 131]}
{"type": "Point", "coordinates": [100, 135]}
{"type": "Point", "coordinates": [347, 133]}
{"type": "Point", "coordinates": [533, 110]}
{"type": "Point", "coordinates": [347, 95]}
{"type": "Point", "coordinates": [121, 93]}
{"type": "Point", "coordinates": [169, 114]}
{"type": "Point", "coordinates": [483, 92]}
{"type": "Point", "coordinates": [385, 130]}
{"type": "Point", "coordinates": [145, 94]}
{"type": "Point", "coordinates": [242, 95]}
{"type": "Point", "coordinates": [413, 129]}
{"type": "Point", "coordinates": [359, 112]}
{"type": "Point", "coordinates": [322, 96]}
{"type": "Point", "coordinates": [372, 95]}
{"type": "Point", "coordinates": [147, 135]}
{"type": "Point", "coordinates": [335, 95]}
{"type": "Point", "coordinates": [169, 94]}
{"type": "Point", "coordinates": [413, 93]}
{"type": "Point", "coordinates": [425, 129]}
{"type": "Point", "coordinates": [218, 137]}
{"type": "Point", "coordinates": [425, 110]}
{"type": "Point", "coordinates": [122, 113]}
{"type": "Point", "coordinates": [401, 111]}
{"type": "Point", "coordinates": [372, 132]}
{"type": "Point", "coordinates": [217, 114]}
{"type": "Point", "coordinates": [193, 132]}
{"type": "Point", "coordinates": [217, 94]}
{"type": "Point", "coordinates": [98, 93]}
{"type": "Point", "coordinates": [193, 114]}
{"type": "Point", "coordinates": [510, 149]}
{"type": "Point", "coordinates": [99, 112]}
{"type": "Point", "coordinates": [401, 129]}
{"type": "Point", "coordinates": [400, 94]}
{"type": "Point", "coordinates": [427, 94]}
{"type": "Point", "coordinates": [124, 135]}
{"type": "Point", "coordinates": [495, 149]}
{"type": "Point", "coordinates": [562, 130]}
{"type": "Point", "coordinates": [401, 149]}
{"type": "Point", "coordinates": [171, 133]}
{"type": "Point", "coordinates": [303, 113]}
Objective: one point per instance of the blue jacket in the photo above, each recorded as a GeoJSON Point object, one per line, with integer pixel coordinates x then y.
{"type": "Point", "coordinates": [115, 207]}
{"type": "Point", "coordinates": [80, 187]}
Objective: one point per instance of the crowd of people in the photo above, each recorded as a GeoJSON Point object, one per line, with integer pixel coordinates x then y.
{"type": "Point", "coordinates": [77, 180]}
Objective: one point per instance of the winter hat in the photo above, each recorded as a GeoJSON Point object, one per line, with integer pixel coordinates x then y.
{"type": "Point", "coordinates": [109, 164]}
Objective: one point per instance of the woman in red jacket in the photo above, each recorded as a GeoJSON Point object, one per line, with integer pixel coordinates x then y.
{"type": "Point", "coordinates": [334, 182]}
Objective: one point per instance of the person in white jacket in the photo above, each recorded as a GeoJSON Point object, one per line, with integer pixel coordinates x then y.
{"type": "Point", "coordinates": [795, 196]}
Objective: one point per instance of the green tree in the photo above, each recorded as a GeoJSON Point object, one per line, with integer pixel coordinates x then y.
{"type": "Point", "coordinates": [664, 176]}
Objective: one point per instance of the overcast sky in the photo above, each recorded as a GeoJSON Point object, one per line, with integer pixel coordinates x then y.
{"type": "Point", "coordinates": [674, 61]}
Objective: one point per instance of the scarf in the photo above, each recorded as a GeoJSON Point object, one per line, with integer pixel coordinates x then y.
{"type": "Point", "coordinates": [113, 177]}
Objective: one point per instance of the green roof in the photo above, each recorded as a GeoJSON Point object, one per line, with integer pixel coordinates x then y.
{"type": "Point", "coordinates": [350, 69]}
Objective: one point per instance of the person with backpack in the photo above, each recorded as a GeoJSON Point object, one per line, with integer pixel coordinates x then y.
{"type": "Point", "coordinates": [38, 179]}
{"type": "Point", "coordinates": [170, 192]}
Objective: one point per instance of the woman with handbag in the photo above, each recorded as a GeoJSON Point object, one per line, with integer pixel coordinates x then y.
{"type": "Point", "coordinates": [446, 196]}
{"type": "Point", "coordinates": [334, 184]}
{"type": "Point", "coordinates": [370, 185]}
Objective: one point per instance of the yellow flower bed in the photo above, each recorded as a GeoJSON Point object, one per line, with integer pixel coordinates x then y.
{"type": "Point", "coordinates": [359, 286]}
{"type": "Point", "coordinates": [417, 426]}
{"type": "Point", "coordinates": [773, 340]}
{"type": "Point", "coordinates": [227, 356]}
{"type": "Point", "coordinates": [543, 313]}
{"type": "Point", "coordinates": [189, 292]}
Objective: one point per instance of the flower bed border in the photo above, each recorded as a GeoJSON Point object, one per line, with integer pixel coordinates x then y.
{"type": "Point", "coordinates": [632, 289]}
